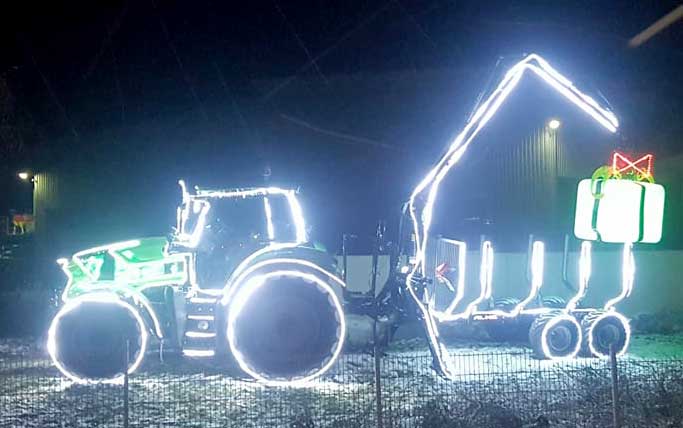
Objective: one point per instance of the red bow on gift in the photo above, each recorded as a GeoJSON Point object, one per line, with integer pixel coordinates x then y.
{"type": "Point", "coordinates": [642, 166]}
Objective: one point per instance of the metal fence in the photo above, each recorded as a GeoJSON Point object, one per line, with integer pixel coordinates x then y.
{"type": "Point", "coordinates": [493, 388]}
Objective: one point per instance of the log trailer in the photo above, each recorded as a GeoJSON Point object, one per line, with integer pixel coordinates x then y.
{"type": "Point", "coordinates": [620, 204]}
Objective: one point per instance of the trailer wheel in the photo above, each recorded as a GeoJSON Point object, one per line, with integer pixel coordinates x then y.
{"type": "Point", "coordinates": [602, 329]}
{"type": "Point", "coordinates": [555, 335]}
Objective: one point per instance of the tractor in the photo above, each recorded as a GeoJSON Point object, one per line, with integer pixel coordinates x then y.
{"type": "Point", "coordinates": [237, 281]}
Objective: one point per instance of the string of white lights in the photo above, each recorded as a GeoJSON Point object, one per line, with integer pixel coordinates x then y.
{"type": "Point", "coordinates": [584, 275]}
{"type": "Point", "coordinates": [240, 299]}
{"type": "Point", "coordinates": [295, 207]}
{"type": "Point", "coordinates": [237, 279]}
{"type": "Point", "coordinates": [269, 219]}
{"type": "Point", "coordinates": [628, 272]}
{"type": "Point", "coordinates": [73, 304]}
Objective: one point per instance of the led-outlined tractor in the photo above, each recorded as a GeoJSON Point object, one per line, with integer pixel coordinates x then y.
{"type": "Point", "coordinates": [557, 329]}
{"type": "Point", "coordinates": [236, 281]}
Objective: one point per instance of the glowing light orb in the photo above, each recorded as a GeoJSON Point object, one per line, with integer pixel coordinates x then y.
{"type": "Point", "coordinates": [554, 124]}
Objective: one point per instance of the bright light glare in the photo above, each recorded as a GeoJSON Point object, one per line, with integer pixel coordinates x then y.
{"type": "Point", "coordinates": [24, 175]}
{"type": "Point", "coordinates": [584, 275]}
{"type": "Point", "coordinates": [628, 273]}
{"type": "Point", "coordinates": [554, 124]}
{"type": "Point", "coordinates": [625, 211]}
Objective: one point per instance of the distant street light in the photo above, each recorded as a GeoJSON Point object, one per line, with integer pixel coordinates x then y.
{"type": "Point", "coordinates": [24, 175]}
{"type": "Point", "coordinates": [554, 124]}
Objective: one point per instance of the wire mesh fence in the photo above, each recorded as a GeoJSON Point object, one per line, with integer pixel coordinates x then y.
{"type": "Point", "coordinates": [491, 388]}
{"type": "Point", "coordinates": [501, 390]}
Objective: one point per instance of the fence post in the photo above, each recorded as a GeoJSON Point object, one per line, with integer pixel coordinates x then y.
{"type": "Point", "coordinates": [378, 376]}
{"type": "Point", "coordinates": [615, 387]}
{"type": "Point", "coordinates": [125, 385]}
{"type": "Point", "coordinates": [376, 349]}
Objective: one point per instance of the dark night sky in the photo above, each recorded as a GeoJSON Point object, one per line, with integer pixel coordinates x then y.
{"type": "Point", "coordinates": [113, 64]}
{"type": "Point", "coordinates": [166, 82]}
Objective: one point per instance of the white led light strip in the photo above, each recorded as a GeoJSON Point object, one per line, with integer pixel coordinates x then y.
{"type": "Point", "coordinates": [199, 353]}
{"type": "Point", "coordinates": [537, 259]}
{"type": "Point", "coordinates": [242, 297]}
{"type": "Point", "coordinates": [294, 206]}
{"type": "Point", "coordinates": [269, 219]}
{"type": "Point", "coordinates": [73, 304]}
{"type": "Point", "coordinates": [200, 334]}
{"type": "Point", "coordinates": [628, 272]}
{"type": "Point", "coordinates": [486, 286]}
{"type": "Point", "coordinates": [201, 317]}
{"type": "Point", "coordinates": [584, 275]}
{"type": "Point", "coordinates": [235, 283]}
{"type": "Point", "coordinates": [191, 239]}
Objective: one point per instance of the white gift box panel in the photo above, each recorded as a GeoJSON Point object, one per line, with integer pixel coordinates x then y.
{"type": "Point", "coordinates": [625, 211]}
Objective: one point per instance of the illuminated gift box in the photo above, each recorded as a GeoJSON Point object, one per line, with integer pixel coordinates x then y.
{"type": "Point", "coordinates": [619, 211]}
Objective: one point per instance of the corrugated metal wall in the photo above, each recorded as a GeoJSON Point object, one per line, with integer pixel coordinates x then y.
{"type": "Point", "coordinates": [513, 183]}
{"type": "Point", "coordinates": [669, 173]}
{"type": "Point", "coordinates": [47, 205]}
{"type": "Point", "coordinates": [79, 208]}
{"type": "Point", "coordinates": [525, 181]}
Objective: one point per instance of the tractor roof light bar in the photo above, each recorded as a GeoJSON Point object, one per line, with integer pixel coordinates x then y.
{"type": "Point", "coordinates": [202, 197]}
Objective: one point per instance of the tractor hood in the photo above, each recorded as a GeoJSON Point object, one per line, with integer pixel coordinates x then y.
{"type": "Point", "coordinates": [131, 265]}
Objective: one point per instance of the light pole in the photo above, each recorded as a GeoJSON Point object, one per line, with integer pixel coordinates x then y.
{"type": "Point", "coordinates": [24, 220]}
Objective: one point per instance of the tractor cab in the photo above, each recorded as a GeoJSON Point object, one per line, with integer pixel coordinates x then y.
{"type": "Point", "coordinates": [221, 228]}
